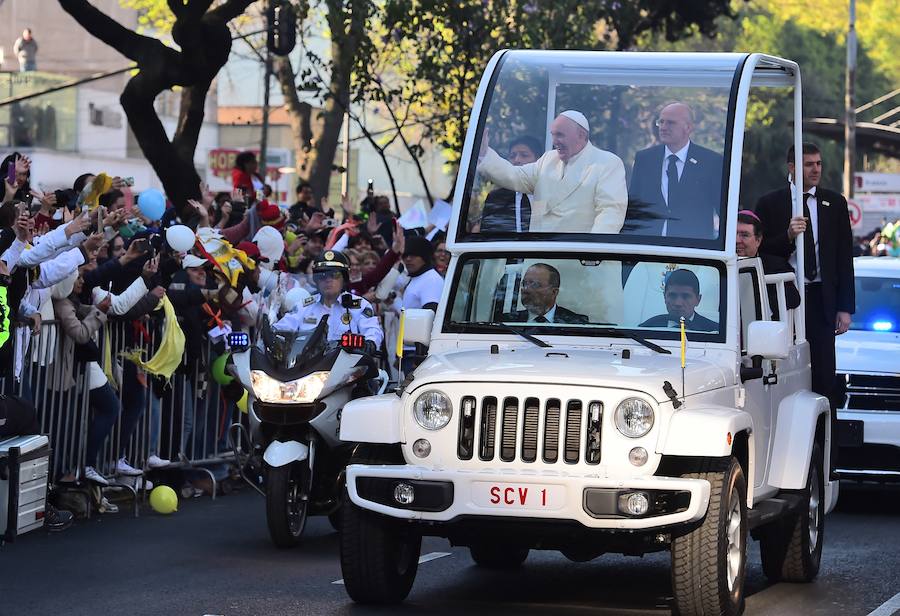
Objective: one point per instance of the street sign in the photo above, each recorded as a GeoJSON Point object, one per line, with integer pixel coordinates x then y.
{"type": "Point", "coordinates": [877, 182]}
{"type": "Point", "coordinates": [855, 214]}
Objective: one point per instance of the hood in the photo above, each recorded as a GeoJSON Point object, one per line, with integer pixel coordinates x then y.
{"type": "Point", "coordinates": [868, 352]}
{"type": "Point", "coordinates": [595, 368]}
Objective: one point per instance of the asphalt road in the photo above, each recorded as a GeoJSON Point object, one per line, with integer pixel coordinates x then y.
{"type": "Point", "coordinates": [214, 557]}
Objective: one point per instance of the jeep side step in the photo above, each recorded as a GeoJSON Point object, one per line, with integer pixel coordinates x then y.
{"type": "Point", "coordinates": [873, 475]}
{"type": "Point", "coordinates": [771, 509]}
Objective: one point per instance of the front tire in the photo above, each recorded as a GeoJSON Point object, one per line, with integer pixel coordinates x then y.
{"type": "Point", "coordinates": [791, 548]}
{"type": "Point", "coordinates": [709, 563]}
{"type": "Point", "coordinates": [287, 503]}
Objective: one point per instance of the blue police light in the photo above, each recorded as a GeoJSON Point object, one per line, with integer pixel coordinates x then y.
{"type": "Point", "coordinates": [882, 326]}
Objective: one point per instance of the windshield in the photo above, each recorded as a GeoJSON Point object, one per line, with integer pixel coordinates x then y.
{"type": "Point", "coordinates": [587, 295]}
{"type": "Point", "coordinates": [292, 348]}
{"type": "Point", "coordinates": [877, 304]}
{"type": "Point", "coordinates": [567, 145]}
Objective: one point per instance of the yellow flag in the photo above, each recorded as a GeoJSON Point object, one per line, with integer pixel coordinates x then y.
{"type": "Point", "coordinates": [683, 342]}
{"type": "Point", "coordinates": [400, 334]}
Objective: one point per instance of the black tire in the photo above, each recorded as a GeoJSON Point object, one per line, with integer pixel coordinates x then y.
{"type": "Point", "coordinates": [379, 554]}
{"type": "Point", "coordinates": [286, 503]}
{"type": "Point", "coordinates": [334, 518]}
{"type": "Point", "coordinates": [492, 555]}
{"type": "Point", "coordinates": [791, 548]}
{"type": "Point", "coordinates": [709, 564]}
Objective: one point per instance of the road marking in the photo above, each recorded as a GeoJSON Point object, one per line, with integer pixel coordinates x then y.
{"type": "Point", "coordinates": [422, 559]}
{"type": "Point", "coordinates": [888, 607]}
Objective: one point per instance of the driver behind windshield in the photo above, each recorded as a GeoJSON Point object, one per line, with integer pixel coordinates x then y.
{"type": "Point", "coordinates": [345, 311]}
{"type": "Point", "coordinates": [682, 295]}
{"type": "Point", "coordinates": [540, 287]}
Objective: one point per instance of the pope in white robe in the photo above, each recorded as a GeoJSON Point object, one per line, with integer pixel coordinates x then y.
{"type": "Point", "coordinates": [574, 188]}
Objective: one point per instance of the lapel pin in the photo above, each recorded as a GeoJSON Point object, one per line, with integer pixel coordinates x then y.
{"type": "Point", "coordinates": [693, 160]}
{"type": "Point", "coordinates": [825, 203]}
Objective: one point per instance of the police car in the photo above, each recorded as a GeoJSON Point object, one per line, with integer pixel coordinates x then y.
{"type": "Point", "coordinates": [868, 357]}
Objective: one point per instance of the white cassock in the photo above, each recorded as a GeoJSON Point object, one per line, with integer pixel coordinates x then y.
{"type": "Point", "coordinates": [585, 195]}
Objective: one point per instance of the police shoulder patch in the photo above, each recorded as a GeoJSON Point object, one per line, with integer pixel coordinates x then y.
{"type": "Point", "coordinates": [368, 312]}
{"type": "Point", "coordinates": [309, 301]}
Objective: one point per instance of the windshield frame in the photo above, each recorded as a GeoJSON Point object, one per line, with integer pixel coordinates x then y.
{"type": "Point", "coordinates": [448, 326]}
{"type": "Point", "coordinates": [484, 105]}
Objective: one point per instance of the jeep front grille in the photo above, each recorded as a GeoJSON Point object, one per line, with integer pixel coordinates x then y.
{"type": "Point", "coordinates": [871, 392]}
{"type": "Point", "coordinates": [528, 427]}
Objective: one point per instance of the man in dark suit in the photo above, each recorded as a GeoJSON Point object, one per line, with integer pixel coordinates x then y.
{"type": "Point", "coordinates": [682, 295]}
{"type": "Point", "coordinates": [540, 287]}
{"type": "Point", "coordinates": [828, 262]}
{"type": "Point", "coordinates": [506, 210]}
{"type": "Point", "coordinates": [675, 187]}
{"type": "Point", "coordinates": [749, 239]}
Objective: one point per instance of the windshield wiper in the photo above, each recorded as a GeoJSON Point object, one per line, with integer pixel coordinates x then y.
{"type": "Point", "coordinates": [650, 345]}
{"type": "Point", "coordinates": [533, 339]}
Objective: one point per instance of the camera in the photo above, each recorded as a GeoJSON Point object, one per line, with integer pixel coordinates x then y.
{"type": "Point", "coordinates": [67, 198]}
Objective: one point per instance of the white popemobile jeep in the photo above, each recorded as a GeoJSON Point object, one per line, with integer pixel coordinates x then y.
{"type": "Point", "coordinates": [584, 430]}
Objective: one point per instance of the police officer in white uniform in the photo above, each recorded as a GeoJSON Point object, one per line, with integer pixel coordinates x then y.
{"type": "Point", "coordinates": [345, 311]}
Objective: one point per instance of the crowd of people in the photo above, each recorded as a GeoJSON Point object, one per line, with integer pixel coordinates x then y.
{"type": "Point", "coordinates": [97, 252]}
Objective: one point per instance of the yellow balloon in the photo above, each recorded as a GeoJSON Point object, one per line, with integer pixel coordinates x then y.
{"type": "Point", "coordinates": [242, 403]}
{"type": "Point", "coordinates": [164, 500]}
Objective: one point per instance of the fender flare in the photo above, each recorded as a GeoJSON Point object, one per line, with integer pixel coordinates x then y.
{"type": "Point", "coordinates": [704, 431]}
{"type": "Point", "coordinates": [374, 419]}
{"type": "Point", "coordinates": [795, 431]}
{"type": "Point", "coordinates": [281, 454]}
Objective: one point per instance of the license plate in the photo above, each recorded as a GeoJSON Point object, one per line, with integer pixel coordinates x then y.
{"type": "Point", "coordinates": [525, 496]}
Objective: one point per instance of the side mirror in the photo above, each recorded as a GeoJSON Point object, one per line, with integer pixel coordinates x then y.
{"type": "Point", "coordinates": [768, 339]}
{"type": "Point", "coordinates": [417, 324]}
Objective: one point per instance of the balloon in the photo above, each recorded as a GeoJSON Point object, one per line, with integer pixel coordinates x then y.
{"type": "Point", "coordinates": [293, 298]}
{"type": "Point", "coordinates": [164, 500]}
{"type": "Point", "coordinates": [180, 238]}
{"type": "Point", "coordinates": [218, 370]}
{"type": "Point", "coordinates": [152, 204]}
{"type": "Point", "coordinates": [242, 403]}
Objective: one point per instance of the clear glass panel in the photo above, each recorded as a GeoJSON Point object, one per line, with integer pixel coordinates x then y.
{"type": "Point", "coordinates": [571, 148]}
{"type": "Point", "coordinates": [47, 121]}
{"type": "Point", "coordinates": [877, 304]}
{"type": "Point", "coordinates": [581, 295]}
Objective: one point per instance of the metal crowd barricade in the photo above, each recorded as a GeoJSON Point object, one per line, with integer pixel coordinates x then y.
{"type": "Point", "coordinates": [185, 420]}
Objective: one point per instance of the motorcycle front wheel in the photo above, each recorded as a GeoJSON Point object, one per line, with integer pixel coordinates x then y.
{"type": "Point", "coordinates": [287, 503]}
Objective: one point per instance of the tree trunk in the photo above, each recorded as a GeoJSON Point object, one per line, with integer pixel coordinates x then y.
{"type": "Point", "coordinates": [299, 115]}
{"type": "Point", "coordinates": [206, 43]}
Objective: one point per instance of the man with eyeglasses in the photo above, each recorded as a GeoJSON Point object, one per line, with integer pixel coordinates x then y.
{"type": "Point", "coordinates": [540, 288]}
{"type": "Point", "coordinates": [675, 186]}
{"type": "Point", "coordinates": [681, 293]}
{"type": "Point", "coordinates": [345, 311]}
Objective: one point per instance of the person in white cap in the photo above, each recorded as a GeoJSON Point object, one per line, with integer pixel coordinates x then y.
{"type": "Point", "coordinates": [577, 187]}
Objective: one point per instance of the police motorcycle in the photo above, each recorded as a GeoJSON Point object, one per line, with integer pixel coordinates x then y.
{"type": "Point", "coordinates": [298, 380]}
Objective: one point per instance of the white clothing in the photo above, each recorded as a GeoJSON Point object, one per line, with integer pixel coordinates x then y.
{"type": "Point", "coordinates": [587, 194]}
{"type": "Point", "coordinates": [307, 315]}
{"type": "Point", "coordinates": [424, 289]}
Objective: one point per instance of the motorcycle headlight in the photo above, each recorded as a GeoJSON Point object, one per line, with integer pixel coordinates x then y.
{"type": "Point", "coordinates": [634, 417]}
{"type": "Point", "coordinates": [432, 410]}
{"type": "Point", "coordinates": [273, 391]}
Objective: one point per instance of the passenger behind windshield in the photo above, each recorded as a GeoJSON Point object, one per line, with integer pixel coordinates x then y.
{"type": "Point", "coordinates": [540, 288]}
{"type": "Point", "coordinates": [682, 295]}
{"type": "Point", "coordinates": [577, 187]}
{"type": "Point", "coordinates": [675, 186]}
{"type": "Point", "coordinates": [506, 210]}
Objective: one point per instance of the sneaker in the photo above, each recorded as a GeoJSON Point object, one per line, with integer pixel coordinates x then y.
{"type": "Point", "coordinates": [138, 483]}
{"type": "Point", "coordinates": [124, 468]}
{"type": "Point", "coordinates": [108, 507]}
{"type": "Point", "coordinates": [91, 474]}
{"type": "Point", "coordinates": [157, 462]}
{"type": "Point", "coordinates": [56, 520]}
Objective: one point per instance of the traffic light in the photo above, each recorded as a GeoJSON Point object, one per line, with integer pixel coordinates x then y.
{"type": "Point", "coordinates": [282, 27]}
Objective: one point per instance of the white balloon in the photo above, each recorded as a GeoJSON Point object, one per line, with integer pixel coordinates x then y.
{"type": "Point", "coordinates": [293, 298]}
{"type": "Point", "coordinates": [180, 238]}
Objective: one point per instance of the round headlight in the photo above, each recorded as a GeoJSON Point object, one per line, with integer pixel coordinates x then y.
{"type": "Point", "coordinates": [432, 410]}
{"type": "Point", "coordinates": [634, 417]}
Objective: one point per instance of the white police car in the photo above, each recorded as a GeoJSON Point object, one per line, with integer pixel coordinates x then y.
{"type": "Point", "coordinates": [868, 366]}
